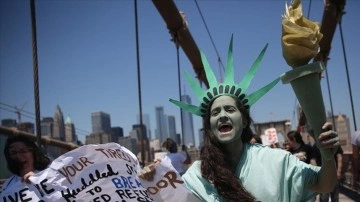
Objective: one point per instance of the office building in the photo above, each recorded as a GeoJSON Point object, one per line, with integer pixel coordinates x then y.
{"type": "Point", "coordinates": [129, 143]}
{"type": "Point", "coordinates": [172, 129]}
{"type": "Point", "coordinates": [142, 141]}
{"type": "Point", "coordinates": [161, 124]}
{"type": "Point", "coordinates": [188, 137]}
{"type": "Point", "coordinates": [59, 125]}
{"type": "Point", "coordinates": [47, 126]}
{"type": "Point", "coordinates": [116, 133]}
{"type": "Point", "coordinates": [27, 127]}
{"type": "Point", "coordinates": [100, 122]}
{"type": "Point", "coordinates": [70, 134]}
{"type": "Point", "coordinates": [342, 127]}
{"type": "Point", "coordinates": [10, 123]}
{"type": "Point", "coordinates": [98, 138]}
{"type": "Point", "coordinates": [146, 122]}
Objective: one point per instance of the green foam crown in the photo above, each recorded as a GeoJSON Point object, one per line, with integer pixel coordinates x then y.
{"type": "Point", "coordinates": [228, 87]}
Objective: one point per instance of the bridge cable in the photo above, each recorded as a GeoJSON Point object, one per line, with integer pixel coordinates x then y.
{"type": "Point", "coordinates": [142, 136]}
{"type": "Point", "coordinates": [35, 72]}
{"type": "Point", "coordinates": [347, 73]}
{"type": "Point", "coordinates": [221, 65]}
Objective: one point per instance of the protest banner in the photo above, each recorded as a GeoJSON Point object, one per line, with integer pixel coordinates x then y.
{"type": "Point", "coordinates": [270, 136]}
{"type": "Point", "coordinates": [18, 191]}
{"type": "Point", "coordinates": [97, 173]}
{"type": "Point", "coordinates": [168, 185]}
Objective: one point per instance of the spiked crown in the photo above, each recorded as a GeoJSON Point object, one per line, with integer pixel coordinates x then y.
{"type": "Point", "coordinates": [228, 87]}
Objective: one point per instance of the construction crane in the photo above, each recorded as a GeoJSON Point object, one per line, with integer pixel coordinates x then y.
{"type": "Point", "coordinates": [18, 111]}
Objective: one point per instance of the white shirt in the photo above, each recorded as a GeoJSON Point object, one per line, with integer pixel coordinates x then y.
{"type": "Point", "coordinates": [268, 174]}
{"type": "Point", "coordinates": [355, 138]}
{"type": "Point", "coordinates": [177, 161]}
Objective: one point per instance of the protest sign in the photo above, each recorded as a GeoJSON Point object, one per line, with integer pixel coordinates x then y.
{"type": "Point", "coordinates": [15, 189]}
{"type": "Point", "coordinates": [271, 136]}
{"type": "Point", "coordinates": [99, 173]}
{"type": "Point", "coordinates": [168, 185]}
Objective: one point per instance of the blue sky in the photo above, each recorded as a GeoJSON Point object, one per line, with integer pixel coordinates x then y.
{"type": "Point", "coordinates": [87, 57]}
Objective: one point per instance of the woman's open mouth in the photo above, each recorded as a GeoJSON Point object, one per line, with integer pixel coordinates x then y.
{"type": "Point", "coordinates": [225, 128]}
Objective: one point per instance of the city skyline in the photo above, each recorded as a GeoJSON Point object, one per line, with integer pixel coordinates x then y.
{"type": "Point", "coordinates": [82, 138]}
{"type": "Point", "coordinates": [87, 58]}
{"type": "Point", "coordinates": [81, 133]}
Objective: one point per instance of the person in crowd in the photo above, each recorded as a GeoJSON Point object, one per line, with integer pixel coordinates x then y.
{"type": "Point", "coordinates": [184, 152]}
{"type": "Point", "coordinates": [355, 142]}
{"type": "Point", "coordinates": [256, 139]}
{"type": "Point", "coordinates": [24, 158]}
{"type": "Point", "coordinates": [275, 145]}
{"type": "Point", "coordinates": [177, 159]}
{"type": "Point", "coordinates": [298, 148]}
{"type": "Point", "coordinates": [286, 146]}
{"type": "Point", "coordinates": [230, 167]}
{"type": "Point", "coordinates": [334, 194]}
{"type": "Point", "coordinates": [302, 151]}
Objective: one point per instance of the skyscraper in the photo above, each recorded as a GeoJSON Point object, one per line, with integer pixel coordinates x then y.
{"type": "Point", "coordinates": [146, 122]}
{"type": "Point", "coordinates": [58, 132]}
{"type": "Point", "coordinates": [342, 125]}
{"type": "Point", "coordinates": [116, 133]}
{"type": "Point", "coordinates": [100, 122]}
{"type": "Point", "coordinates": [161, 124]}
{"type": "Point", "coordinates": [101, 128]}
{"type": "Point", "coordinates": [143, 144]}
{"type": "Point", "coordinates": [27, 127]}
{"type": "Point", "coordinates": [98, 138]}
{"type": "Point", "coordinates": [70, 135]}
{"type": "Point", "coordinates": [59, 126]}
{"type": "Point", "coordinates": [172, 128]}
{"type": "Point", "coordinates": [187, 124]}
{"type": "Point", "coordinates": [47, 126]}
{"type": "Point", "coordinates": [10, 123]}
{"type": "Point", "coordinates": [140, 129]}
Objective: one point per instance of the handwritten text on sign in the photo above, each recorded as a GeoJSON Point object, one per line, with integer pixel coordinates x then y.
{"type": "Point", "coordinates": [99, 173]}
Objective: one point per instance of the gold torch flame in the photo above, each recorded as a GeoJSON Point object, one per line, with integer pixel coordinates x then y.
{"type": "Point", "coordinates": [300, 36]}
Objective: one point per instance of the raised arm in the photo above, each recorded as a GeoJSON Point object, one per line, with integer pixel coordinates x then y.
{"type": "Point", "coordinates": [327, 178]}
{"type": "Point", "coordinates": [339, 159]}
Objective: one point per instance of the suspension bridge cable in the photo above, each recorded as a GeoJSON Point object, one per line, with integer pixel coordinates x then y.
{"type": "Point", "coordinates": [347, 73]}
{"type": "Point", "coordinates": [176, 40]}
{"type": "Point", "coordinates": [212, 41]}
{"type": "Point", "coordinates": [327, 81]}
{"type": "Point", "coordinates": [35, 70]}
{"type": "Point", "coordinates": [328, 88]}
{"type": "Point", "coordinates": [142, 136]}
{"type": "Point", "coordinates": [308, 14]}
{"type": "Point", "coordinates": [330, 99]}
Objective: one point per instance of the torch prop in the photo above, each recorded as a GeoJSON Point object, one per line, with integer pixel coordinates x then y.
{"type": "Point", "coordinates": [305, 81]}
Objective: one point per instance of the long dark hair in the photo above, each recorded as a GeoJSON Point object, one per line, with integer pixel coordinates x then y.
{"type": "Point", "coordinates": [215, 164]}
{"type": "Point", "coordinates": [40, 160]}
